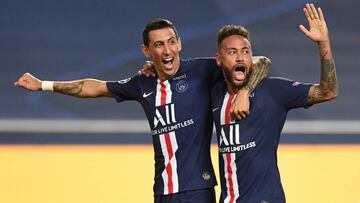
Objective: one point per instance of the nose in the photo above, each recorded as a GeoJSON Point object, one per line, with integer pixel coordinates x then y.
{"type": "Point", "coordinates": [239, 57]}
{"type": "Point", "coordinates": [166, 49]}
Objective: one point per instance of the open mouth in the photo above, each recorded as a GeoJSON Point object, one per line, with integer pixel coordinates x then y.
{"type": "Point", "coordinates": [240, 72]}
{"type": "Point", "coordinates": [168, 61]}
{"type": "Point", "coordinates": [240, 68]}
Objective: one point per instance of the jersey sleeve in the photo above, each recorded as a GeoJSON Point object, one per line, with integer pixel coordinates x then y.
{"type": "Point", "coordinates": [290, 94]}
{"type": "Point", "coordinates": [126, 89]}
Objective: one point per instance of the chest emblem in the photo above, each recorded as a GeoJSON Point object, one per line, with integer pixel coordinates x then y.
{"type": "Point", "coordinates": [181, 86]}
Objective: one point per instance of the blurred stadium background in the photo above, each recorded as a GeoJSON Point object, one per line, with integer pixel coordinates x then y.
{"type": "Point", "coordinates": [61, 149]}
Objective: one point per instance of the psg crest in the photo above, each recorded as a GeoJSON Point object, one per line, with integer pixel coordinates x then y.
{"type": "Point", "coordinates": [181, 86]}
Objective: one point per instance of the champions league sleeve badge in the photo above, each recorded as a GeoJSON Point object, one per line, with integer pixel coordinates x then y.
{"type": "Point", "coordinates": [124, 81]}
{"type": "Point", "coordinates": [181, 86]}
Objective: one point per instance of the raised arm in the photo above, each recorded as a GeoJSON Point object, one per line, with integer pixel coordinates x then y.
{"type": "Point", "coordinates": [318, 32]}
{"type": "Point", "coordinates": [85, 88]}
{"type": "Point", "coordinates": [240, 107]}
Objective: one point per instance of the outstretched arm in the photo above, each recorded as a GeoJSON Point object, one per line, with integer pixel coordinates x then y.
{"type": "Point", "coordinates": [240, 107]}
{"type": "Point", "coordinates": [85, 88]}
{"type": "Point", "coordinates": [318, 32]}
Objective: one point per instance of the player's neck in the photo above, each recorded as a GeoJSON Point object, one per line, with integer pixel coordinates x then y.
{"type": "Point", "coordinates": [164, 77]}
{"type": "Point", "coordinates": [231, 89]}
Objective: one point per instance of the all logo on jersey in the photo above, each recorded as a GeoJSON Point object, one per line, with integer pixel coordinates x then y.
{"type": "Point", "coordinates": [167, 118]}
{"type": "Point", "coordinates": [232, 137]}
{"type": "Point", "coordinates": [229, 136]}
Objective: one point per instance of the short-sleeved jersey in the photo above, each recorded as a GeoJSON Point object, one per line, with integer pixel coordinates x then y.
{"type": "Point", "coordinates": [248, 147]}
{"type": "Point", "coordinates": [180, 118]}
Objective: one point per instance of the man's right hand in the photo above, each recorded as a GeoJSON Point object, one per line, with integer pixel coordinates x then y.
{"type": "Point", "coordinates": [148, 69]}
{"type": "Point", "coordinates": [29, 82]}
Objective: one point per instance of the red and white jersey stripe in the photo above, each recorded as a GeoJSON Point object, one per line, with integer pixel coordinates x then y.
{"type": "Point", "coordinates": [170, 175]}
{"type": "Point", "coordinates": [230, 177]}
{"type": "Point", "coordinates": [225, 109]}
{"type": "Point", "coordinates": [229, 158]}
{"type": "Point", "coordinates": [168, 141]}
{"type": "Point", "coordinates": [181, 130]}
{"type": "Point", "coordinates": [163, 93]}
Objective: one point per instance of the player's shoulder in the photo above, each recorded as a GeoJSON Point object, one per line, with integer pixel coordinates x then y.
{"type": "Point", "coordinates": [198, 61]}
{"type": "Point", "coordinates": [138, 80]}
{"type": "Point", "coordinates": [200, 65]}
{"type": "Point", "coordinates": [271, 80]}
{"type": "Point", "coordinates": [281, 83]}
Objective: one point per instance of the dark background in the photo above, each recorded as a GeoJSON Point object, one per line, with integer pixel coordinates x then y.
{"type": "Point", "coordinates": [66, 40]}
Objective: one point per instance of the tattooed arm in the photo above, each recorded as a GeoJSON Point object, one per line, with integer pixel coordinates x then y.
{"type": "Point", "coordinates": [86, 88]}
{"type": "Point", "coordinates": [260, 69]}
{"type": "Point", "coordinates": [328, 88]}
{"type": "Point", "coordinates": [240, 107]}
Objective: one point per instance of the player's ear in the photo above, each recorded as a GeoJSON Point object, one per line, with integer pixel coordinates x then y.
{"type": "Point", "coordinates": [218, 59]}
{"type": "Point", "coordinates": [179, 42]}
{"type": "Point", "coordinates": [145, 50]}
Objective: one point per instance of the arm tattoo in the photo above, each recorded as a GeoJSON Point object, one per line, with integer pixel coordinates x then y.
{"type": "Point", "coordinates": [261, 70]}
{"type": "Point", "coordinates": [329, 74]}
{"type": "Point", "coordinates": [328, 82]}
{"type": "Point", "coordinates": [73, 89]}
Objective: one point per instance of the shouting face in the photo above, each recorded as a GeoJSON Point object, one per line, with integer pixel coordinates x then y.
{"type": "Point", "coordinates": [235, 58]}
{"type": "Point", "coordinates": [164, 48]}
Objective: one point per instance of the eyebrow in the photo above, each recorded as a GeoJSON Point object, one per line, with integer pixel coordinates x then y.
{"type": "Point", "coordinates": [160, 41]}
{"type": "Point", "coordinates": [233, 48]}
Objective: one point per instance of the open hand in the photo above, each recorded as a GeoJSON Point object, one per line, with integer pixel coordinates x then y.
{"type": "Point", "coordinates": [318, 30]}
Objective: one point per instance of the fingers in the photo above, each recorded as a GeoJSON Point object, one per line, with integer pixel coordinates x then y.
{"type": "Point", "coordinates": [321, 15]}
{"type": "Point", "coordinates": [307, 14]}
{"type": "Point", "coordinates": [304, 30]}
{"type": "Point", "coordinates": [144, 72]}
{"type": "Point", "coordinates": [148, 69]}
{"type": "Point", "coordinates": [29, 82]}
{"type": "Point", "coordinates": [312, 13]}
{"type": "Point", "coordinates": [22, 79]}
{"type": "Point", "coordinates": [239, 116]}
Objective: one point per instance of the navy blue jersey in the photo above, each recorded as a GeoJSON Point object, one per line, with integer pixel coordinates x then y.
{"type": "Point", "coordinates": [248, 147]}
{"type": "Point", "coordinates": [179, 114]}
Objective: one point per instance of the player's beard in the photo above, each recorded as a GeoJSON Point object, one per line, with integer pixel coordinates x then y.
{"type": "Point", "coordinates": [236, 85]}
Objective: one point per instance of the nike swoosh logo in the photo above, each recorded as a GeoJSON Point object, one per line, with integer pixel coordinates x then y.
{"type": "Point", "coordinates": [147, 94]}
{"type": "Point", "coordinates": [214, 109]}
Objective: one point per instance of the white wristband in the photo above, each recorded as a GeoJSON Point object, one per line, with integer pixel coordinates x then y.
{"type": "Point", "coordinates": [47, 86]}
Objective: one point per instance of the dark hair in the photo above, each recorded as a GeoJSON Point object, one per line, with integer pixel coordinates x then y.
{"type": "Point", "coordinates": [229, 30]}
{"type": "Point", "coordinates": [156, 24]}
